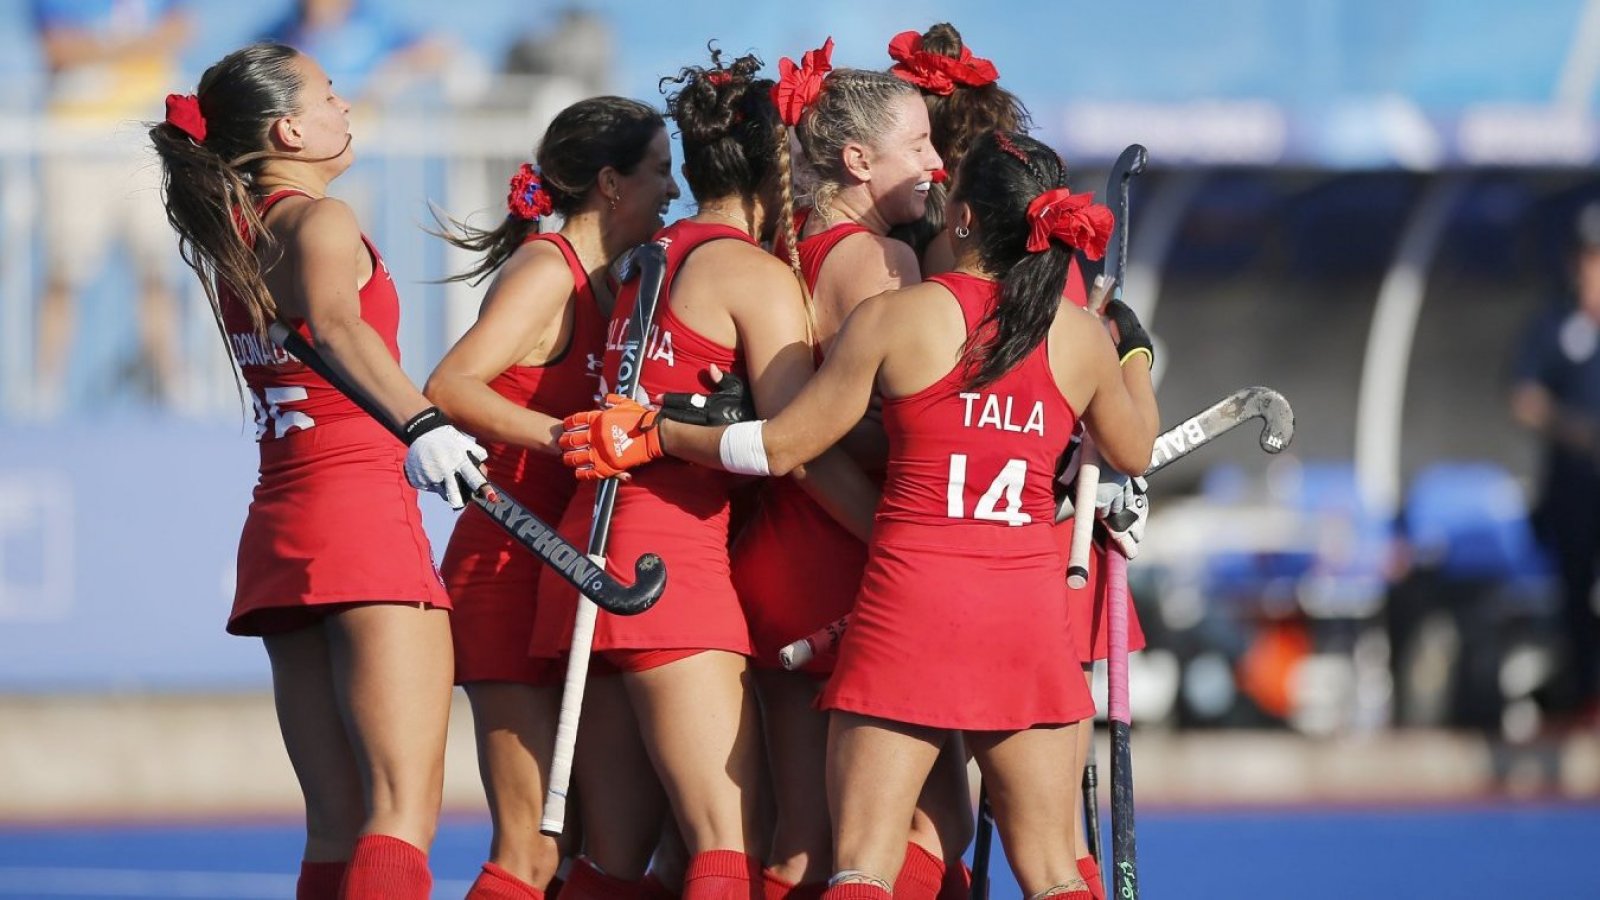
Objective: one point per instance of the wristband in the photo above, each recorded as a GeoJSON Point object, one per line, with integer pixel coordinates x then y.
{"type": "Point", "coordinates": [1148, 354]}
{"type": "Point", "coordinates": [742, 451]}
{"type": "Point", "coordinates": [422, 423]}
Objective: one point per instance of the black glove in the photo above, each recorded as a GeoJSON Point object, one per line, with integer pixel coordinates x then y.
{"type": "Point", "coordinates": [730, 402]}
{"type": "Point", "coordinates": [1131, 336]}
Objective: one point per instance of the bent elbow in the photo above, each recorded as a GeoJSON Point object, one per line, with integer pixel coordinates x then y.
{"type": "Point", "coordinates": [780, 465]}
{"type": "Point", "coordinates": [1132, 458]}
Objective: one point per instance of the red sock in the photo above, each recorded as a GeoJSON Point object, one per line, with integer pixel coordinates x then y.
{"type": "Point", "coordinates": [856, 890]}
{"type": "Point", "coordinates": [957, 884]}
{"type": "Point", "coordinates": [386, 868]}
{"type": "Point", "coordinates": [585, 882]}
{"type": "Point", "coordinates": [722, 875]}
{"type": "Point", "coordinates": [1090, 870]}
{"type": "Point", "coordinates": [921, 875]}
{"type": "Point", "coordinates": [495, 883]}
{"type": "Point", "coordinates": [319, 880]}
{"type": "Point", "coordinates": [776, 888]}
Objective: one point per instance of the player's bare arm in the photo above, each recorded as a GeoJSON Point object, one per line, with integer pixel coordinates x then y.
{"type": "Point", "coordinates": [319, 279]}
{"type": "Point", "coordinates": [526, 320]}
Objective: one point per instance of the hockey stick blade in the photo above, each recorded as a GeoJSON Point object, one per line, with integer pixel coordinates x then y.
{"type": "Point", "coordinates": [527, 529]}
{"type": "Point", "coordinates": [1266, 404]}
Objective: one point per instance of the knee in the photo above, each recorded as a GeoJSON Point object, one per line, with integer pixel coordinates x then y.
{"type": "Point", "coordinates": [944, 831]}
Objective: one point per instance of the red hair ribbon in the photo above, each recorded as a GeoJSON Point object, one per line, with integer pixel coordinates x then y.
{"type": "Point", "coordinates": [939, 176]}
{"type": "Point", "coordinates": [935, 72]}
{"type": "Point", "coordinates": [798, 86]}
{"type": "Point", "coordinates": [183, 113]}
{"type": "Point", "coordinates": [1073, 219]}
{"type": "Point", "coordinates": [528, 199]}
{"type": "Point", "coordinates": [718, 77]}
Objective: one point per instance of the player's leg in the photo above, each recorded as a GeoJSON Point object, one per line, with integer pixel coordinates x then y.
{"type": "Point", "coordinates": [323, 760]}
{"type": "Point", "coordinates": [876, 771]}
{"type": "Point", "coordinates": [797, 748]}
{"type": "Point", "coordinates": [393, 667]}
{"type": "Point", "coordinates": [620, 802]}
{"type": "Point", "coordinates": [941, 827]}
{"type": "Point", "coordinates": [700, 722]}
{"type": "Point", "coordinates": [515, 729]}
{"type": "Point", "coordinates": [1034, 797]}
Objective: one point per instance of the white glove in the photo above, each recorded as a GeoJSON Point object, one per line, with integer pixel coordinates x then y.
{"type": "Point", "coordinates": [441, 459]}
{"type": "Point", "coordinates": [1122, 507]}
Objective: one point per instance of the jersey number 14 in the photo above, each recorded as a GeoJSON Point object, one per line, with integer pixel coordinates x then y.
{"type": "Point", "coordinates": [1006, 488]}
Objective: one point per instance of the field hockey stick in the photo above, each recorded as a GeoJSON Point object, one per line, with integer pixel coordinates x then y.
{"type": "Point", "coordinates": [650, 576]}
{"type": "Point", "coordinates": [1130, 163]}
{"type": "Point", "coordinates": [1176, 443]}
{"type": "Point", "coordinates": [982, 845]}
{"type": "Point", "coordinates": [649, 263]}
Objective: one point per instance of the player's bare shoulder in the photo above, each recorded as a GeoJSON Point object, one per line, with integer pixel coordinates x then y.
{"type": "Point", "coordinates": [866, 257]}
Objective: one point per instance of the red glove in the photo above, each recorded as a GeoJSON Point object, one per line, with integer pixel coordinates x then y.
{"type": "Point", "coordinates": [604, 443]}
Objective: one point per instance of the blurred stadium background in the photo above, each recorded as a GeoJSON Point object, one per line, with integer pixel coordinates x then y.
{"type": "Point", "coordinates": [1360, 203]}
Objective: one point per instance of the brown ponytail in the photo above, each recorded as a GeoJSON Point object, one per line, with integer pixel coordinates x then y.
{"type": "Point", "coordinates": [207, 186]}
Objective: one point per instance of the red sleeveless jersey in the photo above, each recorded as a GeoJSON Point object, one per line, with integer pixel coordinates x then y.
{"type": "Point", "coordinates": [795, 567]}
{"type": "Point", "coordinates": [985, 454]}
{"type": "Point", "coordinates": [287, 395]}
{"type": "Point", "coordinates": [962, 620]}
{"type": "Point", "coordinates": [332, 519]}
{"type": "Point", "coordinates": [493, 581]}
{"type": "Point", "coordinates": [673, 508]}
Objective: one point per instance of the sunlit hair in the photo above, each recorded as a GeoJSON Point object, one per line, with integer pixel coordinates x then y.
{"type": "Point", "coordinates": [207, 186]}
{"type": "Point", "coordinates": [955, 120]}
{"type": "Point", "coordinates": [1001, 174]}
{"type": "Point", "coordinates": [856, 106]}
{"type": "Point", "coordinates": [581, 141]}
{"type": "Point", "coordinates": [734, 143]}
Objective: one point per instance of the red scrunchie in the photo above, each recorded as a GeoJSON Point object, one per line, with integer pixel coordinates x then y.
{"type": "Point", "coordinates": [1073, 219]}
{"type": "Point", "coordinates": [935, 72]}
{"type": "Point", "coordinates": [183, 113]}
{"type": "Point", "coordinates": [528, 200]}
{"type": "Point", "coordinates": [799, 85]}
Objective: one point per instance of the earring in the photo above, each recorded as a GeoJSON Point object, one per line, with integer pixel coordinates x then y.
{"type": "Point", "coordinates": [614, 199]}
{"type": "Point", "coordinates": [962, 232]}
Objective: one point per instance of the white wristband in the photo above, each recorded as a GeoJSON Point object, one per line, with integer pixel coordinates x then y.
{"type": "Point", "coordinates": [742, 450]}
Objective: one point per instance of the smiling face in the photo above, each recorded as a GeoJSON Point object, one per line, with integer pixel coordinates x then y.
{"type": "Point", "coordinates": [319, 130]}
{"type": "Point", "coordinates": [644, 194]}
{"type": "Point", "coordinates": [901, 163]}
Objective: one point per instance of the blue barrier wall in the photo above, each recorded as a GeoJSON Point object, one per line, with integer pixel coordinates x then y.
{"type": "Point", "coordinates": [117, 545]}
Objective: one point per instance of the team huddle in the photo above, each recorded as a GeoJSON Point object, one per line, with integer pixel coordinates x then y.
{"type": "Point", "coordinates": [852, 393]}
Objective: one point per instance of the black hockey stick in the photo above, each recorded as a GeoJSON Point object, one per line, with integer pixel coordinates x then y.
{"type": "Point", "coordinates": [649, 263]}
{"type": "Point", "coordinates": [1130, 163]}
{"type": "Point", "coordinates": [1124, 856]}
{"type": "Point", "coordinates": [543, 541]}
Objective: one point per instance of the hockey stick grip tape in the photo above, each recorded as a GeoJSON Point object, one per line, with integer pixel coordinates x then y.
{"type": "Point", "coordinates": [555, 801]}
{"type": "Point", "coordinates": [1082, 521]}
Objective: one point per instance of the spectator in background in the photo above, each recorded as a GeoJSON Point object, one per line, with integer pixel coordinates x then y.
{"type": "Point", "coordinates": [110, 62]}
{"type": "Point", "coordinates": [370, 56]}
{"type": "Point", "coordinates": [1556, 393]}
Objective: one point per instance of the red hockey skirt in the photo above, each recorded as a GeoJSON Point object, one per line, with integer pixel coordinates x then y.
{"type": "Point", "coordinates": [332, 522]}
{"type": "Point", "coordinates": [494, 582]}
{"type": "Point", "coordinates": [1087, 605]}
{"type": "Point", "coordinates": [675, 510]}
{"type": "Point", "coordinates": [796, 570]}
{"type": "Point", "coordinates": [961, 626]}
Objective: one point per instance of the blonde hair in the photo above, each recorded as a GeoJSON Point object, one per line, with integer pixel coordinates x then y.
{"type": "Point", "coordinates": [854, 106]}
